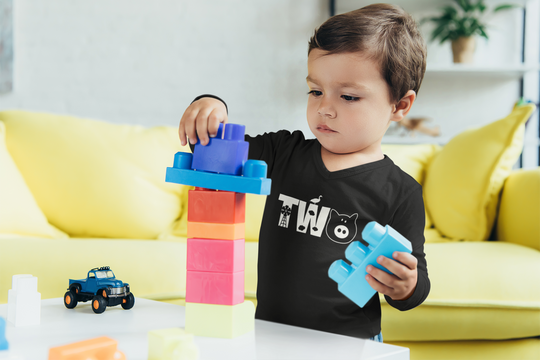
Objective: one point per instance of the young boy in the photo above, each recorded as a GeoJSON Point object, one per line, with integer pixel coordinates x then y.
{"type": "Point", "coordinates": [364, 70]}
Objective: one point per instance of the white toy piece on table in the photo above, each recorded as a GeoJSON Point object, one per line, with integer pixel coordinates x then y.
{"type": "Point", "coordinates": [24, 301]}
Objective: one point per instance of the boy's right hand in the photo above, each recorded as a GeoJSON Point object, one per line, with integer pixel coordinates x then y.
{"type": "Point", "coordinates": [201, 120]}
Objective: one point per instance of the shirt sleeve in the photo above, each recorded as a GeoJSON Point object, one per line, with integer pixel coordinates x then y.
{"type": "Point", "coordinates": [409, 221]}
{"type": "Point", "coordinates": [265, 147]}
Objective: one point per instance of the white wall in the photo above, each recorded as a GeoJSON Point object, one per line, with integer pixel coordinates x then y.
{"type": "Point", "coordinates": [143, 62]}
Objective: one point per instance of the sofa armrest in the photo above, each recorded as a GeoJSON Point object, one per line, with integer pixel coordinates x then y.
{"type": "Point", "coordinates": [519, 213]}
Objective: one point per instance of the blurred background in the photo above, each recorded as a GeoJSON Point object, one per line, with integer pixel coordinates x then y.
{"type": "Point", "coordinates": [142, 62]}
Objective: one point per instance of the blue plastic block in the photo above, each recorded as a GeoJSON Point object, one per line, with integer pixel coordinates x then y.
{"type": "Point", "coordinates": [226, 153]}
{"type": "Point", "coordinates": [3, 342]}
{"type": "Point", "coordinates": [252, 181]}
{"type": "Point", "coordinates": [351, 279]}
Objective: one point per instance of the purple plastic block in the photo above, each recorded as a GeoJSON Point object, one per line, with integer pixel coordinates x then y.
{"type": "Point", "coordinates": [226, 153]}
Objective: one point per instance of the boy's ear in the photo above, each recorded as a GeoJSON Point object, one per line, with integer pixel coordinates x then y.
{"type": "Point", "coordinates": [403, 106]}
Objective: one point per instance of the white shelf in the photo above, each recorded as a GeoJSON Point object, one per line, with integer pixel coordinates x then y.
{"type": "Point", "coordinates": [471, 70]}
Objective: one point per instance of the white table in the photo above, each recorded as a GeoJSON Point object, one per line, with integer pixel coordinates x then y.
{"type": "Point", "coordinates": [60, 326]}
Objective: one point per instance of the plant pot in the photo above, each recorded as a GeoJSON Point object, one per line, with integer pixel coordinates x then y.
{"type": "Point", "coordinates": [463, 49]}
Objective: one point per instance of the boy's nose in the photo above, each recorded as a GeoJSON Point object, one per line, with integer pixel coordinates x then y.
{"type": "Point", "coordinates": [325, 109]}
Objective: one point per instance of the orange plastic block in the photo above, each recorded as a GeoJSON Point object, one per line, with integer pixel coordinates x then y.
{"type": "Point", "coordinates": [216, 231]}
{"type": "Point", "coordinates": [102, 348]}
{"type": "Point", "coordinates": [212, 206]}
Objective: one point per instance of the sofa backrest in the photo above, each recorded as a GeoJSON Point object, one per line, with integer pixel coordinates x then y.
{"type": "Point", "coordinates": [96, 179]}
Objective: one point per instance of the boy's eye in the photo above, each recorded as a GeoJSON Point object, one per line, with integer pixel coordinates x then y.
{"type": "Point", "coordinates": [315, 93]}
{"type": "Point", "coordinates": [350, 98]}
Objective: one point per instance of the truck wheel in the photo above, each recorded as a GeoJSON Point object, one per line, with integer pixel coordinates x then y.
{"type": "Point", "coordinates": [99, 304]}
{"type": "Point", "coordinates": [70, 300]}
{"type": "Point", "coordinates": [75, 288]}
{"type": "Point", "coordinates": [128, 302]}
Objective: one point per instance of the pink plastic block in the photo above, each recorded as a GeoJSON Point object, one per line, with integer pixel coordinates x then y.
{"type": "Point", "coordinates": [215, 255]}
{"type": "Point", "coordinates": [215, 287]}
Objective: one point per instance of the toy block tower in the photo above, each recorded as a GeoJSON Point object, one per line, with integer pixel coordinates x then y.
{"type": "Point", "coordinates": [222, 175]}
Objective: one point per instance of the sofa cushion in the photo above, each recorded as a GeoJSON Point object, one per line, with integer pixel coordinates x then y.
{"type": "Point", "coordinates": [518, 349]}
{"type": "Point", "coordinates": [19, 212]}
{"type": "Point", "coordinates": [153, 269]}
{"type": "Point", "coordinates": [96, 179]}
{"type": "Point", "coordinates": [479, 290]}
{"type": "Point", "coordinates": [464, 180]}
{"type": "Point", "coordinates": [521, 191]}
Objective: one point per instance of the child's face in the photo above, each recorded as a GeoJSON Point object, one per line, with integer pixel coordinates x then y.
{"type": "Point", "coordinates": [349, 107]}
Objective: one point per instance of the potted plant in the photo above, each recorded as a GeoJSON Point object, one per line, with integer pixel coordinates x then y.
{"type": "Point", "coordinates": [459, 23]}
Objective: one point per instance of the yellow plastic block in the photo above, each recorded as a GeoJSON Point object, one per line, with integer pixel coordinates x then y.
{"type": "Point", "coordinates": [171, 344]}
{"type": "Point", "coordinates": [215, 231]}
{"type": "Point", "coordinates": [220, 321]}
{"type": "Point", "coordinates": [102, 348]}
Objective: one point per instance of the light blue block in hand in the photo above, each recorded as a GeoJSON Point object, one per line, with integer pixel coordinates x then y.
{"type": "Point", "coordinates": [351, 278]}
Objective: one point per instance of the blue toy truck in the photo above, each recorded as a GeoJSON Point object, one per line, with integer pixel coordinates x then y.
{"type": "Point", "coordinates": [102, 288]}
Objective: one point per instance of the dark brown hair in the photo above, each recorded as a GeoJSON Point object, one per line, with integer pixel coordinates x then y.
{"type": "Point", "coordinates": [384, 33]}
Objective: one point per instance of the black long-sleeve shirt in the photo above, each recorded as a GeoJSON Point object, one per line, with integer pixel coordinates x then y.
{"type": "Point", "coordinates": [298, 239]}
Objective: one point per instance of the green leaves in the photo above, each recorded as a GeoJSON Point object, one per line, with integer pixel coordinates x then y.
{"type": "Point", "coordinates": [505, 7]}
{"type": "Point", "coordinates": [462, 19]}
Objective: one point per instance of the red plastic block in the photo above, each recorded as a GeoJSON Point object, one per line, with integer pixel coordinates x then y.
{"type": "Point", "coordinates": [216, 231]}
{"type": "Point", "coordinates": [215, 255]}
{"type": "Point", "coordinates": [215, 287]}
{"type": "Point", "coordinates": [212, 206]}
{"type": "Point", "coordinates": [102, 348]}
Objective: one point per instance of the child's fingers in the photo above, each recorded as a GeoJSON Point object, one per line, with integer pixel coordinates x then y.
{"type": "Point", "coordinates": [182, 135]}
{"type": "Point", "coordinates": [186, 128]}
{"type": "Point", "coordinates": [202, 126]}
{"type": "Point", "coordinates": [402, 271]}
{"type": "Point", "coordinates": [382, 276]}
{"type": "Point", "coordinates": [378, 286]}
{"type": "Point", "coordinates": [201, 120]}
{"type": "Point", "coordinates": [406, 259]}
{"type": "Point", "coordinates": [215, 118]}
{"type": "Point", "coordinates": [402, 283]}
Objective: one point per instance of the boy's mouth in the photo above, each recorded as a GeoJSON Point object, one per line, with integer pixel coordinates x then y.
{"type": "Point", "coordinates": [325, 129]}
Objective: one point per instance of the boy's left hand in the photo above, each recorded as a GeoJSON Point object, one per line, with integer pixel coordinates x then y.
{"type": "Point", "coordinates": [399, 286]}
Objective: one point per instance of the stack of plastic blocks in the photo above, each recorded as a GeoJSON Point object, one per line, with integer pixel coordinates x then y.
{"type": "Point", "coordinates": [351, 279]}
{"type": "Point", "coordinates": [215, 305]}
{"type": "Point", "coordinates": [24, 301]}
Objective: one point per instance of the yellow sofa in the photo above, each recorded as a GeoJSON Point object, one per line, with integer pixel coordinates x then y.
{"type": "Point", "coordinates": [78, 193]}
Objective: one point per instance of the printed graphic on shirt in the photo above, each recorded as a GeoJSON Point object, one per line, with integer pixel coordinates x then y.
{"type": "Point", "coordinates": [314, 219]}
{"type": "Point", "coordinates": [341, 228]}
